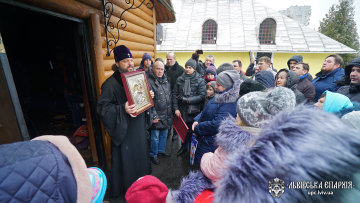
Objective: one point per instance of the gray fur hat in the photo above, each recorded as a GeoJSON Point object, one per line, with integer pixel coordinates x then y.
{"type": "Point", "coordinates": [191, 62]}
{"type": "Point", "coordinates": [227, 78]}
{"type": "Point", "coordinates": [256, 108]}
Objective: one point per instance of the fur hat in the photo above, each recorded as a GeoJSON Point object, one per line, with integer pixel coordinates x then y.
{"type": "Point", "coordinates": [191, 62]}
{"type": "Point", "coordinates": [147, 189]}
{"type": "Point", "coordinates": [121, 52]}
{"type": "Point", "coordinates": [211, 69]}
{"type": "Point", "coordinates": [227, 78]}
{"type": "Point", "coordinates": [250, 85]}
{"type": "Point", "coordinates": [256, 108]}
{"type": "Point", "coordinates": [301, 145]}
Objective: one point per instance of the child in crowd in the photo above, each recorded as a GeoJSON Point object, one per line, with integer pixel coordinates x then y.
{"type": "Point", "coordinates": [288, 78]}
{"type": "Point", "coordinates": [210, 91]}
{"type": "Point", "coordinates": [210, 73]}
{"type": "Point", "coordinates": [333, 102]}
{"type": "Point", "coordinates": [148, 189]}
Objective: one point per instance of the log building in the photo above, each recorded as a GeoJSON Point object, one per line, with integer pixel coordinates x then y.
{"type": "Point", "coordinates": [54, 59]}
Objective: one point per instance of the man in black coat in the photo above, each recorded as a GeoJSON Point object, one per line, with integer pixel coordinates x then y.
{"type": "Point", "coordinates": [172, 69]}
{"type": "Point", "coordinates": [129, 148]}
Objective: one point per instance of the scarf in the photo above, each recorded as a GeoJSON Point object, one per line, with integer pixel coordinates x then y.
{"type": "Point", "coordinates": [187, 88]}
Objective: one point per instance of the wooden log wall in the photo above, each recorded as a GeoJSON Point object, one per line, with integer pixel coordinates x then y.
{"type": "Point", "coordinates": [139, 34]}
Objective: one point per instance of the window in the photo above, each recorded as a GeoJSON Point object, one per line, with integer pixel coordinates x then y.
{"type": "Point", "coordinates": [159, 34]}
{"type": "Point", "coordinates": [209, 32]}
{"type": "Point", "coordinates": [267, 31]}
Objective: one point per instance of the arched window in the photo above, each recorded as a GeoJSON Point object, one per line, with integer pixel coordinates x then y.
{"type": "Point", "coordinates": [267, 31]}
{"type": "Point", "coordinates": [209, 32]}
{"type": "Point", "coordinates": [159, 34]}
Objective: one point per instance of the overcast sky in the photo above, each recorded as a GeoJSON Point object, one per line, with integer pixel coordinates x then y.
{"type": "Point", "coordinates": [318, 9]}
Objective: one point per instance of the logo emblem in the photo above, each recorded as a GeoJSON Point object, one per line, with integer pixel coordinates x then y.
{"type": "Point", "coordinates": [276, 187]}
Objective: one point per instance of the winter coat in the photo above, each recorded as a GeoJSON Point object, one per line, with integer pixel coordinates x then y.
{"type": "Point", "coordinates": [343, 112]}
{"type": "Point", "coordinates": [46, 169]}
{"type": "Point", "coordinates": [306, 87]}
{"type": "Point", "coordinates": [322, 148]}
{"type": "Point", "coordinates": [216, 110]}
{"type": "Point", "coordinates": [173, 73]}
{"type": "Point", "coordinates": [354, 89]}
{"type": "Point", "coordinates": [243, 76]}
{"type": "Point", "coordinates": [324, 82]}
{"type": "Point", "coordinates": [162, 101]}
{"type": "Point", "coordinates": [291, 83]}
{"type": "Point", "coordinates": [194, 100]}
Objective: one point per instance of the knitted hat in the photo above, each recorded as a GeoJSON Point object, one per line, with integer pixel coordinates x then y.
{"type": "Point", "coordinates": [352, 119]}
{"type": "Point", "coordinates": [121, 52]}
{"type": "Point", "coordinates": [266, 78]}
{"type": "Point", "coordinates": [146, 56]}
{"type": "Point", "coordinates": [191, 62]}
{"type": "Point", "coordinates": [211, 84]}
{"type": "Point", "coordinates": [227, 78]}
{"type": "Point", "coordinates": [211, 69]}
{"type": "Point", "coordinates": [250, 85]}
{"type": "Point", "coordinates": [147, 189]}
{"type": "Point", "coordinates": [98, 184]}
{"type": "Point", "coordinates": [256, 108]}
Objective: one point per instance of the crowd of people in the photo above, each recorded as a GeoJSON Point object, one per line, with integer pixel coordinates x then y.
{"type": "Point", "coordinates": [251, 126]}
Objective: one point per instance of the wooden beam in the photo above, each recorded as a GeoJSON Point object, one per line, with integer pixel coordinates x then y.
{"type": "Point", "coordinates": [143, 7]}
{"type": "Point", "coordinates": [131, 45]}
{"type": "Point", "coordinates": [140, 13]}
{"type": "Point", "coordinates": [131, 27]}
{"type": "Point", "coordinates": [128, 16]}
{"type": "Point", "coordinates": [129, 36]}
{"type": "Point", "coordinates": [67, 7]}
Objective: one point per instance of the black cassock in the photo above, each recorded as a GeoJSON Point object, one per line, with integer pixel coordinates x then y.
{"type": "Point", "coordinates": [129, 148]}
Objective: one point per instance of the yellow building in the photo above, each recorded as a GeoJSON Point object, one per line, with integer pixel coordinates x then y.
{"type": "Point", "coordinates": [230, 29]}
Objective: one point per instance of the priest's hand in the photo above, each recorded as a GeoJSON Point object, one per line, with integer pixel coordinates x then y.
{"type": "Point", "coordinates": [156, 120]}
{"type": "Point", "coordinates": [152, 94]}
{"type": "Point", "coordinates": [194, 125]}
{"type": "Point", "coordinates": [131, 110]}
{"type": "Point", "coordinates": [177, 113]}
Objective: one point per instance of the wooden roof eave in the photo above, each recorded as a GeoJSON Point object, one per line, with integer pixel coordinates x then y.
{"type": "Point", "coordinates": [165, 12]}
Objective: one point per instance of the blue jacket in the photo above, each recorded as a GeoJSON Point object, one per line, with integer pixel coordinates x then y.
{"type": "Point", "coordinates": [29, 167]}
{"type": "Point", "coordinates": [215, 111]}
{"type": "Point", "coordinates": [327, 82]}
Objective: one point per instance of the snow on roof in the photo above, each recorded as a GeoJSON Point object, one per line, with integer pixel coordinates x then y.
{"type": "Point", "coordinates": [238, 25]}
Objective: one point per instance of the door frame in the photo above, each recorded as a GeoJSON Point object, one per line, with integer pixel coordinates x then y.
{"type": "Point", "coordinates": [88, 79]}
